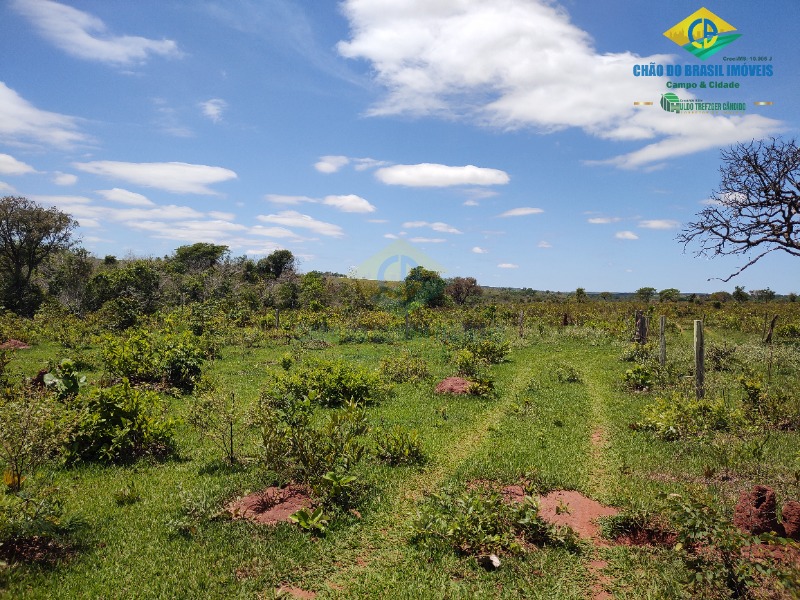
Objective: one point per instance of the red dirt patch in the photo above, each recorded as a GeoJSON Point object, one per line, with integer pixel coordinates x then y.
{"type": "Point", "coordinates": [647, 537]}
{"type": "Point", "coordinates": [271, 506]}
{"type": "Point", "coordinates": [294, 592]}
{"type": "Point", "coordinates": [601, 580]}
{"type": "Point", "coordinates": [453, 385]}
{"type": "Point", "coordinates": [571, 508]}
{"type": "Point", "coordinates": [14, 345]}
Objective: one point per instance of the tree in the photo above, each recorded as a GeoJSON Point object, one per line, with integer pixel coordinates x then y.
{"type": "Point", "coordinates": [425, 287]}
{"type": "Point", "coordinates": [29, 234]}
{"type": "Point", "coordinates": [757, 206]}
{"type": "Point", "coordinates": [461, 289]}
{"type": "Point", "coordinates": [276, 264]}
{"type": "Point", "coordinates": [669, 295]}
{"type": "Point", "coordinates": [580, 295]}
{"type": "Point", "coordinates": [199, 257]}
{"type": "Point", "coordinates": [645, 294]}
{"type": "Point", "coordinates": [765, 295]}
{"type": "Point", "coordinates": [739, 294]}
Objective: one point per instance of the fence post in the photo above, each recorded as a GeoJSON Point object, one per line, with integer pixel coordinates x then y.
{"type": "Point", "coordinates": [699, 362]}
{"type": "Point", "coordinates": [640, 334]}
{"type": "Point", "coordinates": [662, 340]}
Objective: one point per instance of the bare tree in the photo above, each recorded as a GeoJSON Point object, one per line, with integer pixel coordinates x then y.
{"type": "Point", "coordinates": [757, 206]}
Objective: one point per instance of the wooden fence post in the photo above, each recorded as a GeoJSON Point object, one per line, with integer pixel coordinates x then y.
{"type": "Point", "coordinates": [699, 362]}
{"type": "Point", "coordinates": [662, 340]}
{"type": "Point", "coordinates": [640, 333]}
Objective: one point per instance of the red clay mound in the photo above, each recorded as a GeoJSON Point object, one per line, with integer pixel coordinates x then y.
{"type": "Point", "coordinates": [14, 345]}
{"type": "Point", "coordinates": [567, 507]}
{"type": "Point", "coordinates": [453, 385]}
{"type": "Point", "coordinates": [272, 505]}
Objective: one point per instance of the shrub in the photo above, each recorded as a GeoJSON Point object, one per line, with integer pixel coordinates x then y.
{"type": "Point", "coordinates": [678, 417]}
{"type": "Point", "coordinates": [329, 383]}
{"type": "Point", "coordinates": [66, 381]}
{"type": "Point", "coordinates": [405, 368]}
{"type": "Point", "coordinates": [297, 449]}
{"type": "Point", "coordinates": [398, 446]}
{"type": "Point", "coordinates": [638, 378]}
{"type": "Point", "coordinates": [218, 417]}
{"type": "Point", "coordinates": [478, 521]}
{"type": "Point", "coordinates": [567, 374]}
{"type": "Point", "coordinates": [34, 428]}
{"type": "Point", "coordinates": [119, 423]}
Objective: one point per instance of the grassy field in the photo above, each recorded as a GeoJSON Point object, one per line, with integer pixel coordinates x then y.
{"type": "Point", "coordinates": [560, 417]}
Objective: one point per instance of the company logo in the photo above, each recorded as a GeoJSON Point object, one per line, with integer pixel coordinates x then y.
{"type": "Point", "coordinates": [702, 33]}
{"type": "Point", "coordinates": [670, 102]}
{"type": "Point", "coordinates": [395, 261]}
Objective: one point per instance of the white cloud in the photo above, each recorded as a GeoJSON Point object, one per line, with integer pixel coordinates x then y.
{"type": "Point", "coordinates": [281, 199]}
{"type": "Point", "coordinates": [213, 109]}
{"type": "Point", "coordinates": [391, 236]}
{"type": "Point", "coordinates": [435, 175]}
{"type": "Point", "coordinates": [276, 232]}
{"type": "Point", "coordinates": [626, 235]}
{"type": "Point", "coordinates": [479, 250]}
{"type": "Point", "coordinates": [471, 203]}
{"type": "Point", "coordinates": [659, 224]}
{"type": "Point", "coordinates": [349, 203]}
{"type": "Point", "coordinates": [603, 220]}
{"type": "Point", "coordinates": [436, 226]}
{"type": "Point", "coordinates": [4, 187]}
{"type": "Point", "coordinates": [221, 216]}
{"type": "Point", "coordinates": [21, 122]}
{"type": "Point", "coordinates": [292, 218]}
{"type": "Point", "coordinates": [522, 63]}
{"type": "Point", "coordinates": [11, 166]}
{"type": "Point", "coordinates": [176, 177]}
{"type": "Point", "coordinates": [507, 266]}
{"type": "Point", "coordinates": [125, 197]}
{"type": "Point", "coordinates": [377, 220]}
{"type": "Point", "coordinates": [331, 164]}
{"type": "Point", "coordinates": [60, 178]}
{"type": "Point", "coordinates": [544, 244]}
{"type": "Point", "coordinates": [424, 240]}
{"type": "Point", "coordinates": [362, 164]}
{"type": "Point", "coordinates": [522, 211]}
{"type": "Point", "coordinates": [85, 36]}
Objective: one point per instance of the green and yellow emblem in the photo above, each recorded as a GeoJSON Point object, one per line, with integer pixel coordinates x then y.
{"type": "Point", "coordinates": [702, 33]}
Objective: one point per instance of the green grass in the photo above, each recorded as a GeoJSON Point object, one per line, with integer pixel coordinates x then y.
{"type": "Point", "coordinates": [537, 426]}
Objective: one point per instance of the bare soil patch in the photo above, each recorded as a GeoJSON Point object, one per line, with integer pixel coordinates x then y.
{"type": "Point", "coordinates": [288, 591]}
{"type": "Point", "coordinates": [453, 385]}
{"type": "Point", "coordinates": [272, 505]}
{"type": "Point", "coordinates": [34, 550]}
{"type": "Point", "coordinates": [14, 345]}
{"type": "Point", "coordinates": [571, 508]}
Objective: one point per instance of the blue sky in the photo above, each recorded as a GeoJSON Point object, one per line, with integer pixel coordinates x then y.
{"type": "Point", "coordinates": [498, 138]}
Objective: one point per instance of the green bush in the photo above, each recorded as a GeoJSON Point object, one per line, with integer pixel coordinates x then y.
{"type": "Point", "coordinates": [329, 383]}
{"type": "Point", "coordinates": [172, 360]}
{"type": "Point", "coordinates": [398, 446]}
{"type": "Point", "coordinates": [298, 449]}
{"type": "Point", "coordinates": [678, 417]}
{"type": "Point", "coordinates": [638, 378]}
{"type": "Point", "coordinates": [120, 423]}
{"type": "Point", "coordinates": [405, 368]}
{"type": "Point", "coordinates": [28, 515]}
{"type": "Point", "coordinates": [479, 521]}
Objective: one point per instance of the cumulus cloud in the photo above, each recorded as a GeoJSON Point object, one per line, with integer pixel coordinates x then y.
{"type": "Point", "coordinates": [11, 166]}
{"type": "Point", "coordinates": [60, 178]}
{"type": "Point", "coordinates": [626, 235]}
{"type": "Point", "coordinates": [522, 212]}
{"type": "Point", "coordinates": [471, 203]}
{"type": "Point", "coordinates": [292, 218]}
{"type": "Point", "coordinates": [213, 109]}
{"type": "Point", "coordinates": [507, 266]}
{"type": "Point", "coordinates": [7, 188]}
{"type": "Point", "coordinates": [125, 197]}
{"type": "Point", "coordinates": [603, 220]}
{"type": "Point", "coordinates": [544, 244]}
{"type": "Point", "coordinates": [85, 36]}
{"type": "Point", "coordinates": [502, 64]}
{"type": "Point", "coordinates": [659, 224]}
{"type": "Point", "coordinates": [436, 226]}
{"type": "Point", "coordinates": [331, 164]}
{"type": "Point", "coordinates": [479, 250]}
{"type": "Point", "coordinates": [281, 199]}
{"type": "Point", "coordinates": [349, 203]}
{"type": "Point", "coordinates": [391, 236]}
{"type": "Point", "coordinates": [21, 122]}
{"type": "Point", "coordinates": [435, 175]}
{"type": "Point", "coordinates": [176, 177]}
